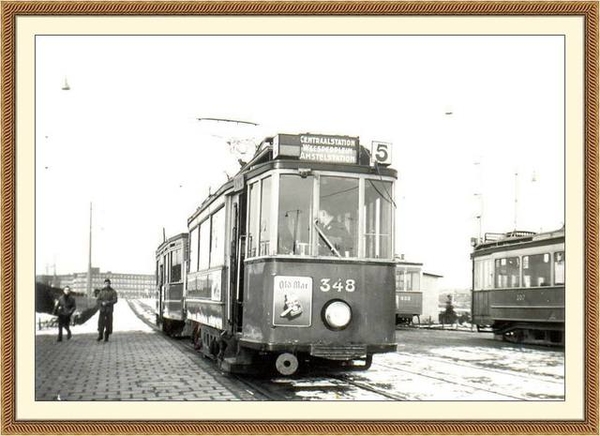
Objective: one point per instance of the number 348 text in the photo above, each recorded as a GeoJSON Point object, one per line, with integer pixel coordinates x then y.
{"type": "Point", "coordinates": [338, 285]}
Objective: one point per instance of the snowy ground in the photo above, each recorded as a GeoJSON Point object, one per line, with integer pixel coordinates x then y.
{"type": "Point", "coordinates": [430, 364]}
{"type": "Point", "coordinates": [124, 320]}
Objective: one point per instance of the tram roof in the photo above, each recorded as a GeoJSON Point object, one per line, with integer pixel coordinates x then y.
{"type": "Point", "coordinates": [170, 240]}
{"type": "Point", "coordinates": [501, 241]}
{"type": "Point", "coordinates": [264, 160]}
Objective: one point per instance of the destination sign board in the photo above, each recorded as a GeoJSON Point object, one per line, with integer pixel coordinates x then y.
{"type": "Point", "coordinates": [317, 148]}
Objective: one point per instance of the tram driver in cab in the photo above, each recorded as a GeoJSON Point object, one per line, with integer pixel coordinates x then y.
{"type": "Point", "coordinates": [334, 238]}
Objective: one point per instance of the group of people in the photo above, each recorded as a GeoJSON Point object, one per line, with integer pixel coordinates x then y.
{"type": "Point", "coordinates": [105, 300]}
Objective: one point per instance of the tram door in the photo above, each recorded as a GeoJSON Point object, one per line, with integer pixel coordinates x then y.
{"type": "Point", "coordinates": [238, 248]}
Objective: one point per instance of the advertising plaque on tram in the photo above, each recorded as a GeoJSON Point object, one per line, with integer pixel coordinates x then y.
{"type": "Point", "coordinates": [317, 148]}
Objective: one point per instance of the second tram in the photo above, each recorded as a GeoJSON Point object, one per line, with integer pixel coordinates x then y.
{"type": "Point", "coordinates": [291, 261]}
{"type": "Point", "coordinates": [519, 286]}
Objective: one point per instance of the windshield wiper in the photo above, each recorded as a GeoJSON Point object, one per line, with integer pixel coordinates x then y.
{"type": "Point", "coordinates": [326, 239]}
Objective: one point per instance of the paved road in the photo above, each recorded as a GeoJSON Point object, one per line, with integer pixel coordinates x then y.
{"type": "Point", "coordinates": [136, 364]}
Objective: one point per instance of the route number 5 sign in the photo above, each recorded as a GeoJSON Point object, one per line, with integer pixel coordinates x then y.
{"type": "Point", "coordinates": [381, 152]}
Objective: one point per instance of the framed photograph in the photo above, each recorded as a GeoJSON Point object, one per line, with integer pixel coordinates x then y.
{"type": "Point", "coordinates": [482, 116]}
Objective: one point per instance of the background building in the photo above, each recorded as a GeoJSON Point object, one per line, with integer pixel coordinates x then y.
{"type": "Point", "coordinates": [126, 285]}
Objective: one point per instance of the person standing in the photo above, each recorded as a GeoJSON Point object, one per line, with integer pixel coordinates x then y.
{"type": "Point", "coordinates": [334, 234]}
{"type": "Point", "coordinates": [107, 298]}
{"type": "Point", "coordinates": [65, 306]}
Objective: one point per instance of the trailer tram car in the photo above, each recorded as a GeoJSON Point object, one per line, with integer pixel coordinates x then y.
{"type": "Point", "coordinates": [409, 297]}
{"type": "Point", "coordinates": [519, 286]}
{"type": "Point", "coordinates": [171, 256]}
{"type": "Point", "coordinates": [291, 262]}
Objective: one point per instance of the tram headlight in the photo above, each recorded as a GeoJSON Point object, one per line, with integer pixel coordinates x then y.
{"type": "Point", "coordinates": [337, 314]}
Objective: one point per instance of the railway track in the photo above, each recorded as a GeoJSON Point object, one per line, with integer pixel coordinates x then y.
{"type": "Point", "coordinates": [471, 373]}
{"type": "Point", "coordinates": [317, 387]}
{"type": "Point", "coordinates": [462, 380]}
{"type": "Point", "coordinates": [405, 377]}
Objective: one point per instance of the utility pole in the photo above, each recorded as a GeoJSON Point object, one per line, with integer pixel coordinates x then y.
{"type": "Point", "coordinates": [89, 271]}
{"type": "Point", "coordinates": [479, 195]}
{"type": "Point", "coordinates": [516, 197]}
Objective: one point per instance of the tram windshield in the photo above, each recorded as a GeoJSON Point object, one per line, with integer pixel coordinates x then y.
{"type": "Point", "coordinates": [295, 211]}
{"type": "Point", "coordinates": [322, 216]}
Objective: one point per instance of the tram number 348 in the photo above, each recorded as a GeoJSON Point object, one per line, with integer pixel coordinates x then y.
{"type": "Point", "coordinates": [339, 285]}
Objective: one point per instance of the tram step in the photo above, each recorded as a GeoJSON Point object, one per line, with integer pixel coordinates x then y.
{"type": "Point", "coordinates": [338, 352]}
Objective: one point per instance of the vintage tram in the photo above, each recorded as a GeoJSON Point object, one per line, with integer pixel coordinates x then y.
{"type": "Point", "coordinates": [519, 286]}
{"type": "Point", "coordinates": [409, 296]}
{"type": "Point", "coordinates": [171, 259]}
{"type": "Point", "coordinates": [290, 261]}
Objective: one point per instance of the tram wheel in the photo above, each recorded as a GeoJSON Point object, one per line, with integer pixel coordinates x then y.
{"type": "Point", "coordinates": [286, 364]}
{"type": "Point", "coordinates": [196, 337]}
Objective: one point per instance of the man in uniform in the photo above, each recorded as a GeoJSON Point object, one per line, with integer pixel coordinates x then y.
{"type": "Point", "coordinates": [106, 299]}
{"type": "Point", "coordinates": [65, 306]}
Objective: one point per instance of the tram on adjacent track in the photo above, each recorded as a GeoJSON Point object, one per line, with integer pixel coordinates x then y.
{"type": "Point", "coordinates": [409, 295]}
{"type": "Point", "coordinates": [519, 286]}
{"type": "Point", "coordinates": [289, 262]}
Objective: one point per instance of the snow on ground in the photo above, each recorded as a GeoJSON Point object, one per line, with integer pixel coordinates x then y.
{"type": "Point", "coordinates": [124, 320]}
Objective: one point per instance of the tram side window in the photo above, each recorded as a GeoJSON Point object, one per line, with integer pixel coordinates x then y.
{"type": "Point", "coordinates": [536, 270]}
{"type": "Point", "coordinates": [166, 269]}
{"type": "Point", "coordinates": [484, 274]}
{"type": "Point", "coordinates": [265, 218]}
{"type": "Point", "coordinates": [295, 211]}
{"type": "Point", "coordinates": [507, 272]}
{"type": "Point", "coordinates": [338, 216]}
{"type": "Point", "coordinates": [204, 251]}
{"type": "Point", "coordinates": [158, 273]}
{"type": "Point", "coordinates": [259, 218]}
{"type": "Point", "coordinates": [176, 265]}
{"type": "Point", "coordinates": [559, 268]}
{"type": "Point", "coordinates": [488, 274]}
{"type": "Point", "coordinates": [253, 215]}
{"type": "Point", "coordinates": [407, 280]}
{"type": "Point", "coordinates": [194, 249]}
{"type": "Point", "coordinates": [478, 275]}
{"type": "Point", "coordinates": [169, 264]}
{"type": "Point", "coordinates": [378, 214]}
{"type": "Point", "coordinates": [217, 239]}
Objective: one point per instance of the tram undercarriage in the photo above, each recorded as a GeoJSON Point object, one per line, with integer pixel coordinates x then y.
{"type": "Point", "coordinates": [530, 333]}
{"type": "Point", "coordinates": [232, 357]}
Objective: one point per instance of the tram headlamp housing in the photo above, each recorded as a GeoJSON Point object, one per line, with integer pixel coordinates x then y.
{"type": "Point", "coordinates": [337, 314]}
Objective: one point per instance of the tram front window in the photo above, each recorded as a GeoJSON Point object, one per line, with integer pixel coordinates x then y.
{"type": "Point", "coordinates": [337, 226]}
{"type": "Point", "coordinates": [378, 215]}
{"type": "Point", "coordinates": [295, 211]}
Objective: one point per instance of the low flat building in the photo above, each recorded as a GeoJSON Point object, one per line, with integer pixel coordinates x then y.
{"type": "Point", "coordinates": [127, 285]}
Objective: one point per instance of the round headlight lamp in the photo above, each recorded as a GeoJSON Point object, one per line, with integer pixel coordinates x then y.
{"type": "Point", "coordinates": [337, 314]}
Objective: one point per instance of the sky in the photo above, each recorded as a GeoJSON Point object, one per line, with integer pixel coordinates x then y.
{"type": "Point", "coordinates": [476, 123]}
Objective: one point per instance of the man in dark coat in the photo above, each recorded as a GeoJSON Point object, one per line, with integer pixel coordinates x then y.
{"type": "Point", "coordinates": [106, 299]}
{"type": "Point", "coordinates": [334, 238]}
{"type": "Point", "coordinates": [65, 306]}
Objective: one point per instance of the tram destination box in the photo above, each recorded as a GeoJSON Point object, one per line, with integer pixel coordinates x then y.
{"type": "Point", "coordinates": [317, 147]}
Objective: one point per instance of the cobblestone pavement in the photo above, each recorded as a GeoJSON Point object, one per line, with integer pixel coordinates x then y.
{"type": "Point", "coordinates": [134, 365]}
